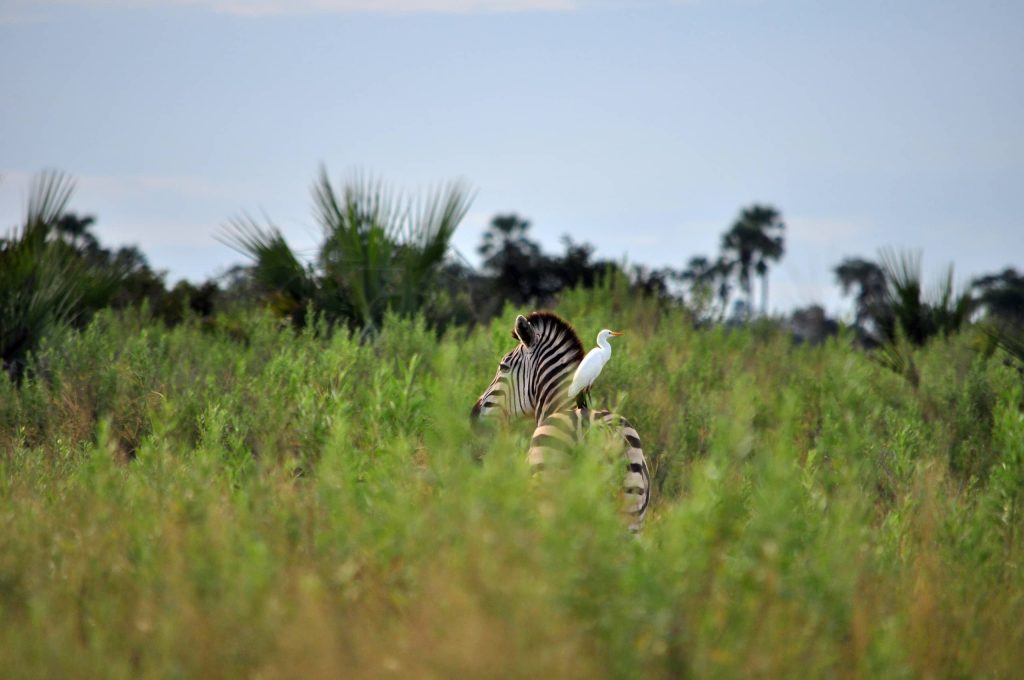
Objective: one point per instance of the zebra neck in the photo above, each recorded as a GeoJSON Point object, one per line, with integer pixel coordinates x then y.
{"type": "Point", "coordinates": [559, 401]}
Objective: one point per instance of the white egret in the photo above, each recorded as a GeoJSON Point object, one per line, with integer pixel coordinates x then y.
{"type": "Point", "coordinates": [590, 367]}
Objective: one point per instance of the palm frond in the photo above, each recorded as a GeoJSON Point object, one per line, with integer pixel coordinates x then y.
{"type": "Point", "coordinates": [41, 282]}
{"type": "Point", "coordinates": [275, 269]}
{"type": "Point", "coordinates": [905, 305]}
{"type": "Point", "coordinates": [360, 234]}
{"type": "Point", "coordinates": [381, 248]}
{"type": "Point", "coordinates": [49, 193]}
{"type": "Point", "coordinates": [433, 222]}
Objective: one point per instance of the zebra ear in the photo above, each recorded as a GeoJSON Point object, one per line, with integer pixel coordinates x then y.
{"type": "Point", "coordinates": [523, 330]}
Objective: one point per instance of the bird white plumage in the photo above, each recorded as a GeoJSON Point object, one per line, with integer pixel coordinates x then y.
{"type": "Point", "coordinates": [588, 370]}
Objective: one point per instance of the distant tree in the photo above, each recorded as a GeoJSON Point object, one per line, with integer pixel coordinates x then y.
{"type": "Point", "coordinates": [133, 280]}
{"type": "Point", "coordinates": [185, 298]}
{"type": "Point", "coordinates": [76, 231]}
{"type": "Point", "coordinates": [576, 267]}
{"type": "Point", "coordinates": [754, 240]}
{"type": "Point", "coordinates": [812, 325]}
{"type": "Point", "coordinates": [506, 233]}
{"type": "Point", "coordinates": [699, 274]}
{"type": "Point", "coordinates": [867, 279]}
{"type": "Point", "coordinates": [706, 280]}
{"type": "Point", "coordinates": [519, 271]}
{"type": "Point", "coordinates": [655, 283]}
{"type": "Point", "coordinates": [1002, 295]}
{"type": "Point", "coordinates": [464, 297]}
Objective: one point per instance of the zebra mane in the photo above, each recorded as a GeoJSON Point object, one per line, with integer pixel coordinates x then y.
{"type": "Point", "coordinates": [544, 319]}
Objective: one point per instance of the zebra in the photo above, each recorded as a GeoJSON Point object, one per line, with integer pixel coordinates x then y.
{"type": "Point", "coordinates": [533, 380]}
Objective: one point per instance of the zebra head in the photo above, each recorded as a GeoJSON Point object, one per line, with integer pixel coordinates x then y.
{"type": "Point", "coordinates": [533, 379]}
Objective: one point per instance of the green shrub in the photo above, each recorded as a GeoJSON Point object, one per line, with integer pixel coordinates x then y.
{"type": "Point", "coordinates": [242, 499]}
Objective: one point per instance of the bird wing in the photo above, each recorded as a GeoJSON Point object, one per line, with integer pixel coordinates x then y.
{"type": "Point", "coordinates": [587, 372]}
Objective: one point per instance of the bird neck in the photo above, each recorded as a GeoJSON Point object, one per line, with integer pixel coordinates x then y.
{"type": "Point", "coordinates": [605, 345]}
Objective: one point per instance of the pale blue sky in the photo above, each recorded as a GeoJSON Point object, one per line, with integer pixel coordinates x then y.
{"type": "Point", "coordinates": [641, 127]}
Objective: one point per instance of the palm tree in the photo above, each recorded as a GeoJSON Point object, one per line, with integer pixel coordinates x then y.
{"type": "Point", "coordinates": [700, 274]}
{"type": "Point", "coordinates": [287, 285]}
{"type": "Point", "coordinates": [754, 240]}
{"type": "Point", "coordinates": [36, 292]}
{"type": "Point", "coordinates": [75, 230]}
{"type": "Point", "coordinates": [909, 310]}
{"type": "Point", "coordinates": [381, 251]}
{"type": "Point", "coordinates": [908, 316]}
{"type": "Point", "coordinates": [45, 280]}
{"type": "Point", "coordinates": [869, 280]}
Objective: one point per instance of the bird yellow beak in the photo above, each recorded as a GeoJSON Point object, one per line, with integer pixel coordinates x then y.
{"type": "Point", "coordinates": [616, 333]}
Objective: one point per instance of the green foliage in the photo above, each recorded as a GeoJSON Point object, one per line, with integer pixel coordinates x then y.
{"type": "Point", "coordinates": [895, 313]}
{"type": "Point", "coordinates": [1010, 338]}
{"type": "Point", "coordinates": [381, 251]}
{"type": "Point", "coordinates": [37, 289]}
{"type": "Point", "coordinates": [45, 280]}
{"type": "Point", "coordinates": [245, 500]}
{"type": "Point", "coordinates": [54, 271]}
{"type": "Point", "coordinates": [910, 310]}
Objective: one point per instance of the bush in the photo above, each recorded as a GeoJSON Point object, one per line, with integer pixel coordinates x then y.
{"type": "Point", "coordinates": [182, 502]}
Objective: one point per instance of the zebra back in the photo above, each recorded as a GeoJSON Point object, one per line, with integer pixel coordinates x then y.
{"type": "Point", "coordinates": [562, 430]}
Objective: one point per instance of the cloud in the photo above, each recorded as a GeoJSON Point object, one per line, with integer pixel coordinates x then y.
{"type": "Point", "coordinates": [256, 8]}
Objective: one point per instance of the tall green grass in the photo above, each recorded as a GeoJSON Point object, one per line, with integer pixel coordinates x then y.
{"type": "Point", "coordinates": [253, 502]}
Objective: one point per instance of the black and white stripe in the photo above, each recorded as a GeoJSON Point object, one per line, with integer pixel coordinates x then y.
{"type": "Point", "coordinates": [533, 380]}
{"type": "Point", "coordinates": [564, 429]}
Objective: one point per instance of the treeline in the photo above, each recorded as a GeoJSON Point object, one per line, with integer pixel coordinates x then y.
{"type": "Point", "coordinates": [385, 252]}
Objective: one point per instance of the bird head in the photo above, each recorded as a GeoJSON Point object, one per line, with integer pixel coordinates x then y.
{"type": "Point", "coordinates": [605, 334]}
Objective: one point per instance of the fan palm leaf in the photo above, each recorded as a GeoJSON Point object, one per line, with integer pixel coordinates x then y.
{"type": "Point", "coordinates": [276, 270]}
{"type": "Point", "coordinates": [920, 315]}
{"type": "Point", "coordinates": [380, 250]}
{"type": "Point", "coordinates": [41, 283]}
